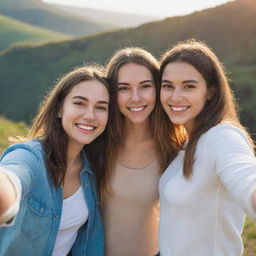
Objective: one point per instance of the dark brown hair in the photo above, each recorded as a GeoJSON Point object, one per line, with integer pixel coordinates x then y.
{"type": "Point", "coordinates": [116, 122]}
{"type": "Point", "coordinates": [222, 105]}
{"type": "Point", "coordinates": [47, 125]}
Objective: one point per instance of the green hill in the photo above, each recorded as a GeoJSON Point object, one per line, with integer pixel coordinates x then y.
{"type": "Point", "coordinates": [13, 31]}
{"type": "Point", "coordinates": [43, 15]}
{"type": "Point", "coordinates": [10, 129]}
{"type": "Point", "coordinates": [229, 29]}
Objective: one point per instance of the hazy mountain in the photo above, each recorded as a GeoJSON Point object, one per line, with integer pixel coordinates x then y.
{"type": "Point", "coordinates": [43, 15]}
{"type": "Point", "coordinates": [229, 29]}
{"type": "Point", "coordinates": [113, 18]}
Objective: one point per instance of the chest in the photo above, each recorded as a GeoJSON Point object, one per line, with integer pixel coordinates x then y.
{"type": "Point", "coordinates": [180, 191]}
{"type": "Point", "coordinates": [138, 185]}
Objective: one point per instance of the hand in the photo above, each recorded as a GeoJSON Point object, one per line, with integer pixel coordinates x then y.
{"type": "Point", "coordinates": [7, 192]}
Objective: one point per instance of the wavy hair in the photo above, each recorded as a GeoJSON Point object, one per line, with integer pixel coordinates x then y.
{"type": "Point", "coordinates": [165, 149]}
{"type": "Point", "coordinates": [48, 127]}
{"type": "Point", "coordinates": [222, 105]}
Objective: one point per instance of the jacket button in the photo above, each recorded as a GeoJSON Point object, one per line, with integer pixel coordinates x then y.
{"type": "Point", "coordinates": [55, 217]}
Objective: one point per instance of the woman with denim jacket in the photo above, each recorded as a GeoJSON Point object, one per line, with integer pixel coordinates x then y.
{"type": "Point", "coordinates": [48, 199]}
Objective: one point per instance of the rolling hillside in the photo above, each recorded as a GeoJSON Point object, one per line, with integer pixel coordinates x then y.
{"type": "Point", "coordinates": [13, 31]}
{"type": "Point", "coordinates": [116, 19]}
{"type": "Point", "coordinates": [229, 29]}
{"type": "Point", "coordinates": [43, 15]}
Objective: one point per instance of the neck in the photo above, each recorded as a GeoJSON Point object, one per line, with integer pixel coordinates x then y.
{"type": "Point", "coordinates": [138, 132]}
{"type": "Point", "coordinates": [73, 155]}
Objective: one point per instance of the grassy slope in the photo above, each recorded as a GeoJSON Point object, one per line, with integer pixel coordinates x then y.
{"type": "Point", "coordinates": [9, 129]}
{"type": "Point", "coordinates": [43, 15]}
{"type": "Point", "coordinates": [13, 31]}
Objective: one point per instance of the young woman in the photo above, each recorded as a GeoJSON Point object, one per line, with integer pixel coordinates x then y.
{"type": "Point", "coordinates": [47, 188]}
{"type": "Point", "coordinates": [130, 193]}
{"type": "Point", "coordinates": [206, 189]}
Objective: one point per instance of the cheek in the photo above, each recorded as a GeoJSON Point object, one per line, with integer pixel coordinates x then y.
{"type": "Point", "coordinates": [103, 117]}
{"type": "Point", "coordinates": [163, 97]}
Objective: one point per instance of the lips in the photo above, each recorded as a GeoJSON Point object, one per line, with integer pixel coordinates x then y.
{"type": "Point", "coordinates": [177, 108]}
{"type": "Point", "coordinates": [137, 109]}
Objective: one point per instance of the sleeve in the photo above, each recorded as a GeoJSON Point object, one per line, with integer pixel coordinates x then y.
{"type": "Point", "coordinates": [8, 217]}
{"type": "Point", "coordinates": [24, 164]}
{"type": "Point", "coordinates": [229, 151]}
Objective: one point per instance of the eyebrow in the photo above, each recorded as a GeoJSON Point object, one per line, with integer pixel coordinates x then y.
{"type": "Point", "coordinates": [85, 99]}
{"type": "Point", "coordinates": [142, 82]}
{"type": "Point", "coordinates": [183, 82]}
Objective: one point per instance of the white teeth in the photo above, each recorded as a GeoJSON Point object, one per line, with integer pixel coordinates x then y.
{"type": "Point", "coordinates": [137, 109]}
{"type": "Point", "coordinates": [178, 108]}
{"type": "Point", "coordinates": [85, 127]}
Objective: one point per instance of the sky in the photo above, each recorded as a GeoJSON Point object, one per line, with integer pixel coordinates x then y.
{"type": "Point", "coordinates": [157, 8]}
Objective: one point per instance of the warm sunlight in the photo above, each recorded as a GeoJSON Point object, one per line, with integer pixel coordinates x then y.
{"type": "Point", "coordinates": [160, 8]}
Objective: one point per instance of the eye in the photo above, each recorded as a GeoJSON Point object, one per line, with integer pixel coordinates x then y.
{"type": "Point", "coordinates": [167, 86]}
{"type": "Point", "coordinates": [102, 108]}
{"type": "Point", "coordinates": [123, 88]}
{"type": "Point", "coordinates": [189, 86]}
{"type": "Point", "coordinates": [79, 103]}
{"type": "Point", "coordinates": [145, 86]}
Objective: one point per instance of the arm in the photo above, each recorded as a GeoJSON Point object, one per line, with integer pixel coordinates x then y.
{"type": "Point", "coordinates": [234, 163]}
{"type": "Point", "coordinates": [17, 173]}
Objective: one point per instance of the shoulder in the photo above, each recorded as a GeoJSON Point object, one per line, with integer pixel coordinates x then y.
{"type": "Point", "coordinates": [25, 149]}
{"type": "Point", "coordinates": [225, 136]}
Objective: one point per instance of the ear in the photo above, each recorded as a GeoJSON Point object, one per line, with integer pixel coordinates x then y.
{"type": "Point", "coordinates": [210, 92]}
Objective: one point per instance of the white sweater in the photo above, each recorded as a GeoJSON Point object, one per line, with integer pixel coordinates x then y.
{"type": "Point", "coordinates": [204, 215]}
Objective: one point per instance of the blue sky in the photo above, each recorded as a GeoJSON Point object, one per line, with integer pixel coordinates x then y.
{"type": "Point", "coordinates": [158, 8]}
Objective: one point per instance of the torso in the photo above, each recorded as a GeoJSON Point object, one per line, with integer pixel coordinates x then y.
{"type": "Point", "coordinates": [200, 215]}
{"type": "Point", "coordinates": [131, 213]}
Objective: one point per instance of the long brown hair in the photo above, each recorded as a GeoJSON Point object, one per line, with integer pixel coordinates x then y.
{"type": "Point", "coordinates": [47, 125]}
{"type": "Point", "coordinates": [116, 122]}
{"type": "Point", "coordinates": [222, 105]}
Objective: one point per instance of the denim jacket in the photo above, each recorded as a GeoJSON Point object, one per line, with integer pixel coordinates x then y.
{"type": "Point", "coordinates": [36, 225]}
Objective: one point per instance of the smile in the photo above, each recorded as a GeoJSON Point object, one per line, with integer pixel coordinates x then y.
{"type": "Point", "coordinates": [179, 108]}
{"type": "Point", "coordinates": [137, 109]}
{"type": "Point", "coordinates": [86, 127]}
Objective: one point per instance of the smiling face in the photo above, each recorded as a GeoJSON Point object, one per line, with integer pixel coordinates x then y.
{"type": "Point", "coordinates": [84, 113]}
{"type": "Point", "coordinates": [184, 93]}
{"type": "Point", "coordinates": [136, 92]}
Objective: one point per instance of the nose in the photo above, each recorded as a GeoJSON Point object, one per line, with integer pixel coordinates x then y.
{"type": "Point", "coordinates": [177, 94]}
{"type": "Point", "coordinates": [89, 113]}
{"type": "Point", "coordinates": [135, 95]}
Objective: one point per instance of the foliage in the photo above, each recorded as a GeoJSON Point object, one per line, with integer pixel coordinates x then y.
{"type": "Point", "coordinates": [10, 129]}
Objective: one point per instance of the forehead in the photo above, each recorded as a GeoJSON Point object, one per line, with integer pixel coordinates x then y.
{"type": "Point", "coordinates": [92, 90]}
{"type": "Point", "coordinates": [132, 70]}
{"type": "Point", "coordinates": [181, 70]}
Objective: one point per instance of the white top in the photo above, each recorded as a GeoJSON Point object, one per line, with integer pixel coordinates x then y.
{"type": "Point", "coordinates": [74, 215]}
{"type": "Point", "coordinates": [204, 215]}
{"type": "Point", "coordinates": [131, 213]}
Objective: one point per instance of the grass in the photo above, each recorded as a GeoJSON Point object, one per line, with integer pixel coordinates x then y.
{"type": "Point", "coordinates": [9, 129]}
